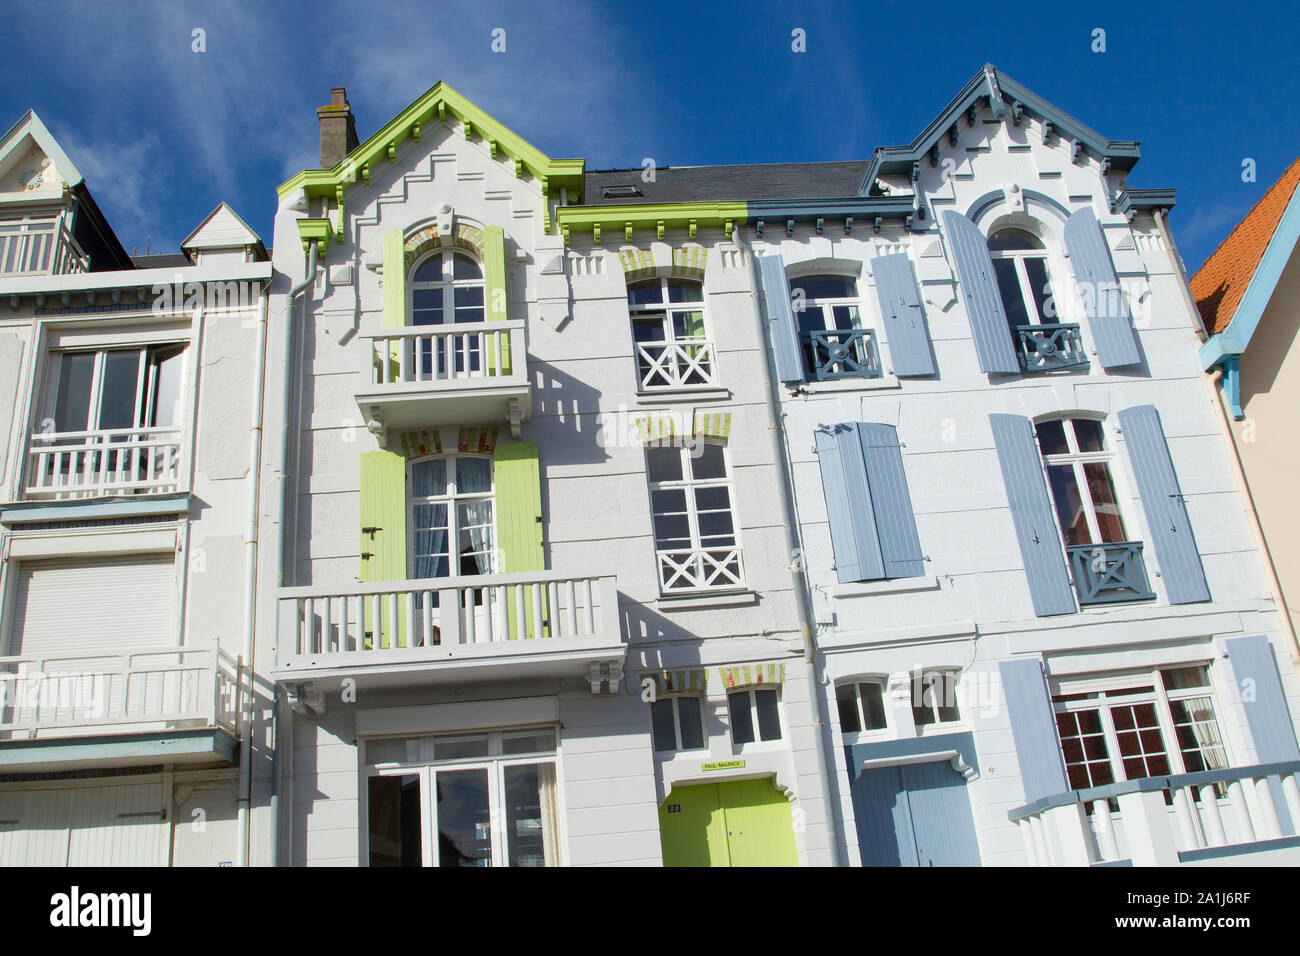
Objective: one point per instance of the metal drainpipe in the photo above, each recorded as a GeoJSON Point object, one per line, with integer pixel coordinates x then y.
{"type": "Point", "coordinates": [289, 365]}
{"type": "Point", "coordinates": [250, 584]}
{"type": "Point", "coordinates": [800, 581]}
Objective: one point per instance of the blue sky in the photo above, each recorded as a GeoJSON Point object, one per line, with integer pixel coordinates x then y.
{"type": "Point", "coordinates": [163, 134]}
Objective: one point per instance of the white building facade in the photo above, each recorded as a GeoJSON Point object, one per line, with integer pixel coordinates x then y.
{"type": "Point", "coordinates": [126, 536]}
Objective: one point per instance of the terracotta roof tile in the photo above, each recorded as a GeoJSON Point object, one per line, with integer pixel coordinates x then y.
{"type": "Point", "coordinates": [1220, 283]}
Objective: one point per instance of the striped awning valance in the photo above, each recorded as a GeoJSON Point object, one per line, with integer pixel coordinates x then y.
{"type": "Point", "coordinates": [746, 675]}
{"type": "Point", "coordinates": [672, 682]}
{"type": "Point", "coordinates": [417, 444]}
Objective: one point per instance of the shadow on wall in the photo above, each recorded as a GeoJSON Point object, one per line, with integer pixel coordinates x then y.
{"type": "Point", "coordinates": [1269, 347]}
{"type": "Point", "coordinates": [571, 406]}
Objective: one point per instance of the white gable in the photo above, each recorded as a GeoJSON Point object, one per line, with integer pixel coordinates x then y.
{"type": "Point", "coordinates": [223, 229]}
{"type": "Point", "coordinates": [32, 164]}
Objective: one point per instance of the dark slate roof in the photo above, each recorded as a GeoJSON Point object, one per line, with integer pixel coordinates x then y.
{"type": "Point", "coordinates": [728, 183]}
{"type": "Point", "coordinates": [163, 260]}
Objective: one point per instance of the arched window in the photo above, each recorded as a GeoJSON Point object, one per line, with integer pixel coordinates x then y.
{"type": "Point", "coordinates": [1078, 471]}
{"type": "Point", "coordinates": [672, 349]}
{"type": "Point", "coordinates": [830, 327]}
{"type": "Point", "coordinates": [446, 287]}
{"type": "Point", "coordinates": [1020, 266]}
{"type": "Point", "coordinates": [451, 516]}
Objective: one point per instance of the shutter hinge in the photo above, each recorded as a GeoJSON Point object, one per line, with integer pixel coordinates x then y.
{"type": "Point", "coordinates": [371, 532]}
{"type": "Point", "coordinates": [366, 555]}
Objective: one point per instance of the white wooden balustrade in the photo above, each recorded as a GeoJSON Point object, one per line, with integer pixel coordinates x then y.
{"type": "Point", "coordinates": [1221, 814]}
{"type": "Point", "coordinates": [149, 689]}
{"type": "Point", "coordinates": [451, 355]}
{"type": "Point", "coordinates": [41, 247]}
{"type": "Point", "coordinates": [428, 617]}
{"type": "Point", "coordinates": [663, 365]}
{"type": "Point", "coordinates": [105, 462]}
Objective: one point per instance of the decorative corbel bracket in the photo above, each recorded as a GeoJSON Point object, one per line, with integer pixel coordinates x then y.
{"type": "Point", "coordinates": [306, 699]}
{"type": "Point", "coordinates": [610, 672]}
{"type": "Point", "coordinates": [515, 416]}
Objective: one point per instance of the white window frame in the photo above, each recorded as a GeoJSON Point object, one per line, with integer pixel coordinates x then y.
{"type": "Point", "coordinates": [448, 284]}
{"type": "Point", "coordinates": [677, 747]}
{"type": "Point", "coordinates": [696, 546]}
{"type": "Point", "coordinates": [1103, 694]}
{"type": "Point", "coordinates": [451, 500]}
{"type": "Point", "coordinates": [855, 683]}
{"type": "Point", "coordinates": [1076, 460]}
{"type": "Point", "coordinates": [145, 380]}
{"type": "Point", "coordinates": [945, 673]}
{"type": "Point", "coordinates": [1018, 257]}
{"type": "Point", "coordinates": [669, 341]}
{"type": "Point", "coordinates": [426, 767]}
{"type": "Point", "coordinates": [758, 742]}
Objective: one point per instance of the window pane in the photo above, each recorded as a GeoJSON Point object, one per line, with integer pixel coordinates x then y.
{"type": "Point", "coordinates": [426, 307]}
{"type": "Point", "coordinates": [473, 476]}
{"type": "Point", "coordinates": [463, 267]}
{"type": "Point", "coordinates": [1041, 291]}
{"type": "Point", "coordinates": [1009, 289]}
{"type": "Point", "coordinates": [844, 317]}
{"type": "Point", "coordinates": [1014, 239]}
{"type": "Point", "coordinates": [661, 723]}
{"type": "Point", "coordinates": [645, 294]}
{"type": "Point", "coordinates": [394, 812]}
{"type": "Point", "coordinates": [460, 748]}
{"type": "Point", "coordinates": [466, 296]}
{"type": "Point", "coordinates": [769, 716]}
{"type": "Point", "coordinates": [1088, 434]}
{"type": "Point", "coordinates": [1102, 491]}
{"type": "Point", "coordinates": [716, 528]}
{"type": "Point", "coordinates": [672, 531]}
{"type": "Point", "coordinates": [648, 328]}
{"type": "Point", "coordinates": [708, 462]}
{"type": "Point", "coordinates": [429, 478]}
{"type": "Point", "coordinates": [825, 287]}
{"type": "Point", "coordinates": [72, 403]}
{"type": "Point", "coordinates": [166, 369]}
{"type": "Point", "coordinates": [742, 721]}
{"type": "Point", "coordinates": [1198, 734]}
{"type": "Point", "coordinates": [392, 750]}
{"type": "Point", "coordinates": [531, 830]}
{"type": "Point", "coordinates": [1182, 678]}
{"type": "Point", "coordinates": [475, 544]}
{"type": "Point", "coordinates": [873, 705]}
{"type": "Point", "coordinates": [1140, 745]}
{"type": "Point", "coordinates": [117, 391]}
{"type": "Point", "coordinates": [430, 270]}
{"type": "Point", "coordinates": [664, 464]}
{"type": "Point", "coordinates": [429, 540]}
{"type": "Point", "coordinates": [464, 818]}
{"type": "Point", "coordinates": [684, 290]}
{"type": "Point", "coordinates": [1084, 748]}
{"type": "Point", "coordinates": [543, 741]}
{"type": "Point", "coordinates": [846, 697]}
{"type": "Point", "coordinates": [1069, 504]}
{"type": "Point", "coordinates": [1051, 437]}
{"type": "Point", "coordinates": [690, 717]}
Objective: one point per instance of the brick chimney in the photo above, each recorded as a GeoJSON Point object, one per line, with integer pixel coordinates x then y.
{"type": "Point", "coordinates": [338, 129]}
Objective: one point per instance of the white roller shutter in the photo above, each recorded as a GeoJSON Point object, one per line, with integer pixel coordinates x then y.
{"type": "Point", "coordinates": [87, 826]}
{"type": "Point", "coordinates": [81, 607]}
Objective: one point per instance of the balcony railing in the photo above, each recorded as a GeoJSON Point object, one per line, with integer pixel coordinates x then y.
{"type": "Point", "coordinates": [100, 693]}
{"type": "Point", "coordinates": [1218, 815]}
{"type": "Point", "coordinates": [704, 570]}
{"type": "Point", "coordinates": [841, 353]}
{"type": "Point", "coordinates": [439, 621]}
{"type": "Point", "coordinates": [1109, 573]}
{"type": "Point", "coordinates": [45, 247]}
{"type": "Point", "coordinates": [664, 365]}
{"type": "Point", "coordinates": [1049, 348]}
{"type": "Point", "coordinates": [422, 375]}
{"type": "Point", "coordinates": [114, 461]}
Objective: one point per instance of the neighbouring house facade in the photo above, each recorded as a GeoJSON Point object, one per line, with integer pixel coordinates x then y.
{"type": "Point", "coordinates": [1248, 294]}
{"type": "Point", "coordinates": [124, 527]}
{"type": "Point", "coordinates": [1047, 632]}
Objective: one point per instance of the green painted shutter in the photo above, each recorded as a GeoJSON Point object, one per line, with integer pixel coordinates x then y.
{"type": "Point", "coordinates": [383, 554]}
{"type": "Point", "coordinates": [494, 290]}
{"type": "Point", "coordinates": [517, 476]}
{"type": "Point", "coordinates": [394, 279]}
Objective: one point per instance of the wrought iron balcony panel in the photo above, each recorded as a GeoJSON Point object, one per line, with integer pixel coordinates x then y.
{"type": "Point", "coordinates": [842, 353]}
{"type": "Point", "coordinates": [1109, 573]}
{"type": "Point", "coordinates": [1049, 348]}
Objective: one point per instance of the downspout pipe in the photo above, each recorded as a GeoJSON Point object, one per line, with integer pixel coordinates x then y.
{"type": "Point", "coordinates": [250, 584]}
{"type": "Point", "coordinates": [290, 363]}
{"type": "Point", "coordinates": [799, 580]}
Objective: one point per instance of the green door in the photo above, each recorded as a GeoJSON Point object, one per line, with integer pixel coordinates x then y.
{"type": "Point", "coordinates": [741, 823]}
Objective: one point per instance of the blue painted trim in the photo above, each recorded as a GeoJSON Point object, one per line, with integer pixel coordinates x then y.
{"type": "Point", "coordinates": [77, 509]}
{"type": "Point", "coordinates": [1232, 385]}
{"type": "Point", "coordinates": [1133, 200]}
{"type": "Point", "coordinates": [1120, 863]}
{"type": "Point", "coordinates": [963, 743]}
{"type": "Point", "coordinates": [808, 210]}
{"type": "Point", "coordinates": [149, 748]}
{"type": "Point", "coordinates": [1241, 327]}
{"type": "Point", "coordinates": [1238, 849]}
{"type": "Point", "coordinates": [990, 199]}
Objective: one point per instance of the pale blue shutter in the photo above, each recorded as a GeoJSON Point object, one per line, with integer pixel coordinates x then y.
{"type": "Point", "coordinates": [1031, 511]}
{"type": "Point", "coordinates": [780, 319]}
{"type": "Point", "coordinates": [1171, 532]}
{"type": "Point", "coordinates": [900, 547]}
{"type": "Point", "coordinates": [900, 306]}
{"type": "Point", "coordinates": [1033, 728]}
{"type": "Point", "coordinates": [1108, 315]}
{"type": "Point", "coordinates": [849, 505]}
{"type": "Point", "coordinates": [1271, 728]}
{"type": "Point", "coordinates": [979, 293]}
